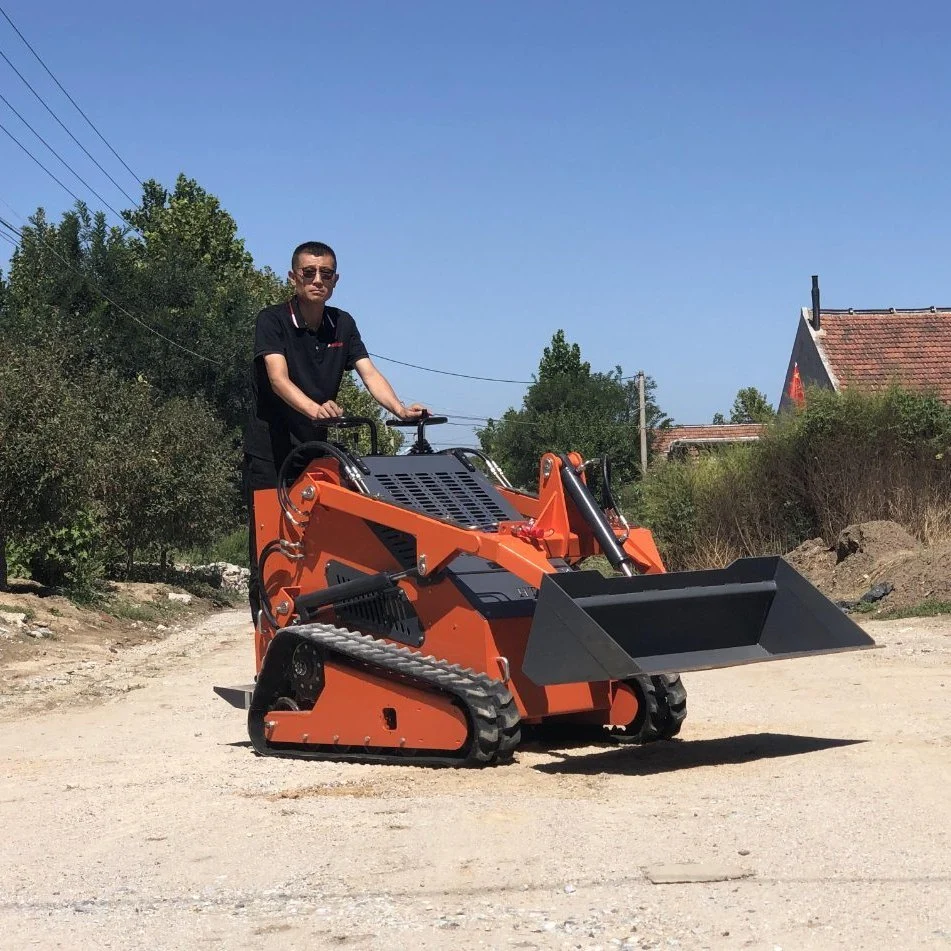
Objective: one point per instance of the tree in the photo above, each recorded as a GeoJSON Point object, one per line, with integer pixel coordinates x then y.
{"type": "Point", "coordinates": [750, 406]}
{"type": "Point", "coordinates": [174, 301]}
{"type": "Point", "coordinates": [139, 450]}
{"type": "Point", "coordinates": [198, 285]}
{"type": "Point", "coordinates": [569, 407]}
{"type": "Point", "coordinates": [46, 429]}
{"type": "Point", "coordinates": [165, 472]}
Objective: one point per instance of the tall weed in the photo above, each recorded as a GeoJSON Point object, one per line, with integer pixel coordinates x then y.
{"type": "Point", "coordinates": [845, 458]}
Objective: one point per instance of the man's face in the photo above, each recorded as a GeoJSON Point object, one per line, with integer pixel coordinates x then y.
{"type": "Point", "coordinates": [314, 277]}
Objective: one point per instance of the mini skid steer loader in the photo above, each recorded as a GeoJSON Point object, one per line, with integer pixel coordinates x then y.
{"type": "Point", "coordinates": [416, 611]}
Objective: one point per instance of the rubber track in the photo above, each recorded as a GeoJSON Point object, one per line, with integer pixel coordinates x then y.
{"type": "Point", "coordinates": [487, 703]}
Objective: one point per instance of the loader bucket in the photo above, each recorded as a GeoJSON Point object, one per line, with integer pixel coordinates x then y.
{"type": "Point", "coordinates": [587, 627]}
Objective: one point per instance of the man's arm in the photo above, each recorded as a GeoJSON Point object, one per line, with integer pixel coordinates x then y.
{"type": "Point", "coordinates": [292, 394]}
{"type": "Point", "coordinates": [379, 388]}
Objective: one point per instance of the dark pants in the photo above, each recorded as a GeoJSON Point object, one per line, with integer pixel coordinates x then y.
{"type": "Point", "coordinates": [256, 474]}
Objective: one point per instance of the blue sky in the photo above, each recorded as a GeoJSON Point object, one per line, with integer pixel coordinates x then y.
{"type": "Point", "coordinates": [660, 180]}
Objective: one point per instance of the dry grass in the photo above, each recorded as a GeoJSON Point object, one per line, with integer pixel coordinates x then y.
{"type": "Point", "coordinates": [848, 458]}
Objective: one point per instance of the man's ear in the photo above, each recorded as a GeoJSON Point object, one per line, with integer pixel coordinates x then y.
{"type": "Point", "coordinates": [292, 277]}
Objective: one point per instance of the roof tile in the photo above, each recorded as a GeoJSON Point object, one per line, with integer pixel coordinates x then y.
{"type": "Point", "coordinates": [728, 432]}
{"type": "Point", "coordinates": [875, 348]}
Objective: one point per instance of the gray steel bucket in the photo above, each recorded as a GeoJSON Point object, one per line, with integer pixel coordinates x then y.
{"type": "Point", "coordinates": [587, 627]}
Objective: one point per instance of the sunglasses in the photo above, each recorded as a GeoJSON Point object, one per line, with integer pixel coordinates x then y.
{"type": "Point", "coordinates": [308, 274]}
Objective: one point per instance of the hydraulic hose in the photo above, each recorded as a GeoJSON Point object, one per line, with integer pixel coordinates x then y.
{"type": "Point", "coordinates": [581, 495]}
{"type": "Point", "coordinates": [348, 466]}
{"type": "Point", "coordinates": [269, 549]}
{"type": "Point", "coordinates": [607, 497]}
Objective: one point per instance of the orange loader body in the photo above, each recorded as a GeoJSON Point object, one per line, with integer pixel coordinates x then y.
{"type": "Point", "coordinates": [403, 594]}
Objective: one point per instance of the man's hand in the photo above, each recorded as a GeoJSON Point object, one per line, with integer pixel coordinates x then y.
{"type": "Point", "coordinates": [414, 411]}
{"type": "Point", "coordinates": [327, 410]}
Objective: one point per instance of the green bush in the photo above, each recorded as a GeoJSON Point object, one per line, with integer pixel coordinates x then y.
{"type": "Point", "coordinates": [231, 547]}
{"type": "Point", "coordinates": [845, 458]}
{"type": "Point", "coordinates": [69, 556]}
{"type": "Point", "coordinates": [46, 428]}
{"type": "Point", "coordinates": [165, 474]}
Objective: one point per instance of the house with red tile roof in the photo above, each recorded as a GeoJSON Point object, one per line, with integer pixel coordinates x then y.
{"type": "Point", "coordinates": [836, 349]}
{"type": "Point", "coordinates": [679, 441]}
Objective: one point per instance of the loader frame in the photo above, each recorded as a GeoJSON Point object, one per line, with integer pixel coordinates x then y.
{"type": "Point", "coordinates": [551, 530]}
{"type": "Point", "coordinates": [414, 611]}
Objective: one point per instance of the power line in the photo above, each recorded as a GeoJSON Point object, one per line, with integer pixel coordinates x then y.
{"type": "Point", "coordinates": [60, 157]}
{"type": "Point", "coordinates": [107, 298]}
{"type": "Point", "coordinates": [465, 376]}
{"type": "Point", "coordinates": [7, 204]}
{"type": "Point", "coordinates": [500, 420]}
{"type": "Point", "coordinates": [485, 419]}
{"type": "Point", "coordinates": [478, 419]}
{"type": "Point", "coordinates": [68, 96]}
{"type": "Point", "coordinates": [38, 162]}
{"type": "Point", "coordinates": [70, 134]}
{"type": "Point", "coordinates": [469, 376]}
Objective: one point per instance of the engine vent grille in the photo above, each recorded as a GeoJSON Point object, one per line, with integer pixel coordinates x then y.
{"type": "Point", "coordinates": [455, 496]}
{"type": "Point", "coordinates": [388, 614]}
{"type": "Point", "coordinates": [399, 544]}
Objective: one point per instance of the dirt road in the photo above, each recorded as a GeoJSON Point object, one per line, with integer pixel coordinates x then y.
{"type": "Point", "coordinates": [142, 819]}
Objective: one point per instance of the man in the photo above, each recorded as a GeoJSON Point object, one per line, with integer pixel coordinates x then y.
{"type": "Point", "coordinates": [302, 348]}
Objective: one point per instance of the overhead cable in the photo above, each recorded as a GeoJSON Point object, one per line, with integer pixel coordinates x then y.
{"type": "Point", "coordinates": [7, 204]}
{"type": "Point", "coordinates": [38, 162]}
{"type": "Point", "coordinates": [108, 299]}
{"type": "Point", "coordinates": [62, 124]}
{"type": "Point", "coordinates": [465, 376]}
{"type": "Point", "coordinates": [67, 95]}
{"type": "Point", "coordinates": [469, 376]}
{"type": "Point", "coordinates": [476, 420]}
{"type": "Point", "coordinates": [61, 159]}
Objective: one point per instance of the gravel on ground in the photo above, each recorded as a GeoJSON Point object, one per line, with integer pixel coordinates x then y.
{"type": "Point", "coordinates": [805, 806]}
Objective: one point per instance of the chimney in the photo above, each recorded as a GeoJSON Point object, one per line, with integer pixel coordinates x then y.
{"type": "Point", "coordinates": [816, 310]}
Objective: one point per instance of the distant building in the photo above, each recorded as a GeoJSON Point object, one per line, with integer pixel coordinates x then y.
{"type": "Point", "coordinates": [680, 441]}
{"type": "Point", "coordinates": [836, 349]}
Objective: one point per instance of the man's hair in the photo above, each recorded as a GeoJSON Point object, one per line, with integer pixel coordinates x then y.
{"type": "Point", "coordinates": [316, 248]}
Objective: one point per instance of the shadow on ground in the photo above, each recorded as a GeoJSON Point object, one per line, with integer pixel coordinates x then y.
{"type": "Point", "coordinates": [675, 755]}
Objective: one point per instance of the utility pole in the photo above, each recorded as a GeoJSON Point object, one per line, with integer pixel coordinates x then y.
{"type": "Point", "coordinates": [640, 393]}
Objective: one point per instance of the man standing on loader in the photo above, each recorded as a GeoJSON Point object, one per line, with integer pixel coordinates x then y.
{"type": "Point", "coordinates": [302, 348]}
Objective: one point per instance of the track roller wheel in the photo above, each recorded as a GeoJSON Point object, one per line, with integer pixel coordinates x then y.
{"type": "Point", "coordinates": [662, 708]}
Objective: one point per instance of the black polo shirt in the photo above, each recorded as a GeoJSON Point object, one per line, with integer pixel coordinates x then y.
{"type": "Point", "coordinates": [316, 362]}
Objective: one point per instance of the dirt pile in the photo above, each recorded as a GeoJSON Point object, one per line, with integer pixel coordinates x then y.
{"type": "Point", "coordinates": [875, 553]}
{"type": "Point", "coordinates": [41, 631]}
